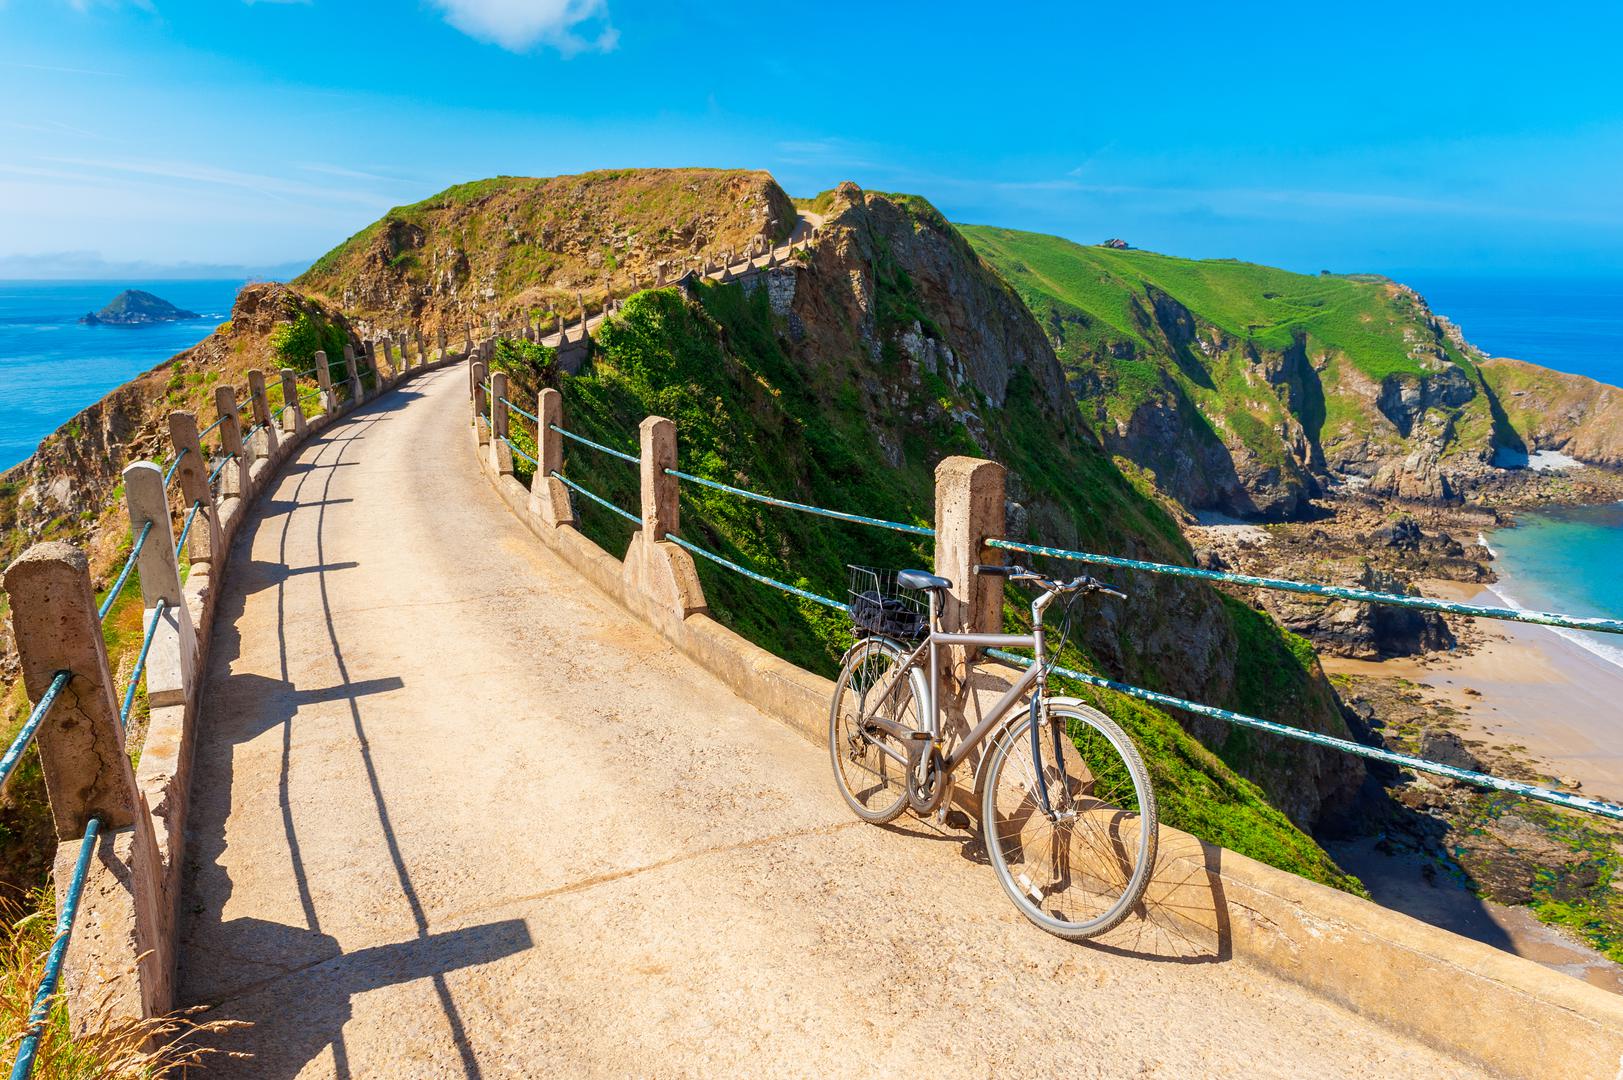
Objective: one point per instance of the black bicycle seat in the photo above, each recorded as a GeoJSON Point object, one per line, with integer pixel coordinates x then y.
{"type": "Point", "coordinates": [918, 579]}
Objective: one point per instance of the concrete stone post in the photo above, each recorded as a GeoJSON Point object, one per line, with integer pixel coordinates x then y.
{"type": "Point", "coordinates": [580, 301]}
{"type": "Point", "coordinates": [659, 502]}
{"type": "Point", "coordinates": [969, 495]}
{"type": "Point", "coordinates": [549, 498]}
{"type": "Point", "coordinates": [501, 455]}
{"type": "Point", "coordinates": [292, 416]}
{"type": "Point", "coordinates": [264, 443]}
{"type": "Point", "coordinates": [193, 473]}
{"type": "Point", "coordinates": [119, 960]}
{"type": "Point", "coordinates": [329, 399]}
{"type": "Point", "coordinates": [356, 391]}
{"type": "Point", "coordinates": [440, 338]}
{"type": "Point", "coordinates": [481, 404]}
{"type": "Point", "coordinates": [172, 661]}
{"type": "Point", "coordinates": [233, 478]}
{"type": "Point", "coordinates": [772, 257]}
{"type": "Point", "coordinates": [422, 349]}
{"type": "Point", "coordinates": [467, 342]}
{"type": "Point", "coordinates": [393, 363]}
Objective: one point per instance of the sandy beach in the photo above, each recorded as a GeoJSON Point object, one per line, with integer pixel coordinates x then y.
{"type": "Point", "coordinates": [1534, 689]}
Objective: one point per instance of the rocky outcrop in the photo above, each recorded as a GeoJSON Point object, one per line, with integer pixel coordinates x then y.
{"type": "Point", "coordinates": [524, 245]}
{"type": "Point", "coordinates": [1551, 410]}
{"type": "Point", "coordinates": [132, 307]}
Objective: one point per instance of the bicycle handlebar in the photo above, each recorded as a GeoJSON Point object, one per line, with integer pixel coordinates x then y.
{"type": "Point", "coordinates": [1020, 573]}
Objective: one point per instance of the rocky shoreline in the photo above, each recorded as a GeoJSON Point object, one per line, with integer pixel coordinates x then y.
{"type": "Point", "coordinates": [1465, 692]}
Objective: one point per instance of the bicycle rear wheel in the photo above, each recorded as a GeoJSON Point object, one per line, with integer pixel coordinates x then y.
{"type": "Point", "coordinates": [1078, 868]}
{"type": "Point", "coordinates": [870, 763]}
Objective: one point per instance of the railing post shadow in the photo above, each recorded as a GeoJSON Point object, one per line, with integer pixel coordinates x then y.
{"type": "Point", "coordinates": [119, 963]}
{"type": "Point", "coordinates": [172, 662]}
{"type": "Point", "coordinates": [205, 539]}
{"type": "Point", "coordinates": [549, 498]}
{"type": "Point", "coordinates": [501, 455]}
{"type": "Point", "coordinates": [658, 576]}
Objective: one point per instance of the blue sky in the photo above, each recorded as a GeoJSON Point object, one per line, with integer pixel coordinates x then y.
{"type": "Point", "coordinates": [218, 133]}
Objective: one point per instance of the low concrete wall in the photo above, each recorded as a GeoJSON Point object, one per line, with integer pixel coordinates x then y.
{"type": "Point", "coordinates": [1505, 1013]}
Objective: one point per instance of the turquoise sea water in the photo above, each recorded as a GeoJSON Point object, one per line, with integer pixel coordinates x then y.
{"type": "Point", "coordinates": [1568, 560]}
{"type": "Point", "coordinates": [51, 367]}
{"type": "Point", "coordinates": [1561, 560]}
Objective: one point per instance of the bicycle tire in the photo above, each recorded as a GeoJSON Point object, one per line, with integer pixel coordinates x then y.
{"type": "Point", "coordinates": [1080, 878]}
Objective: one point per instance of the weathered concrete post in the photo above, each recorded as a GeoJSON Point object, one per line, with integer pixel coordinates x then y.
{"type": "Point", "coordinates": [481, 404]}
{"type": "Point", "coordinates": [440, 337]}
{"type": "Point", "coordinates": [969, 510]}
{"type": "Point", "coordinates": [329, 399]}
{"type": "Point", "coordinates": [580, 299]}
{"type": "Point", "coordinates": [422, 348]}
{"type": "Point", "coordinates": [118, 963]}
{"type": "Point", "coordinates": [501, 455]}
{"type": "Point", "coordinates": [658, 576]}
{"type": "Point", "coordinates": [659, 501]}
{"type": "Point", "coordinates": [193, 473]}
{"type": "Point", "coordinates": [467, 342]}
{"type": "Point", "coordinates": [771, 257]}
{"type": "Point", "coordinates": [264, 443]}
{"type": "Point", "coordinates": [356, 392]}
{"type": "Point", "coordinates": [293, 413]}
{"type": "Point", "coordinates": [173, 657]}
{"type": "Point", "coordinates": [549, 498]}
{"type": "Point", "coordinates": [234, 478]}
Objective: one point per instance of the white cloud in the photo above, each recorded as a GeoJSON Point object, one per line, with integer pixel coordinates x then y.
{"type": "Point", "coordinates": [570, 26]}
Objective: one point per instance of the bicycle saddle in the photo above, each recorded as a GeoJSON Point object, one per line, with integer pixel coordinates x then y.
{"type": "Point", "coordinates": [918, 579]}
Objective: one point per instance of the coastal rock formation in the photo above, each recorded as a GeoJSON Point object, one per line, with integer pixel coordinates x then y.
{"type": "Point", "coordinates": [132, 307]}
{"type": "Point", "coordinates": [1551, 410]}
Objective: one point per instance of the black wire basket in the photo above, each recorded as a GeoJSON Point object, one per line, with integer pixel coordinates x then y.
{"type": "Point", "coordinates": [880, 607]}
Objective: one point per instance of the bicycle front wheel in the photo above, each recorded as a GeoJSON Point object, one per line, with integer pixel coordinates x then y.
{"type": "Point", "coordinates": [870, 762]}
{"type": "Point", "coordinates": [1078, 866]}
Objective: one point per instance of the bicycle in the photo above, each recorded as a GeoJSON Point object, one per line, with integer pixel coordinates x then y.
{"type": "Point", "coordinates": [1069, 821]}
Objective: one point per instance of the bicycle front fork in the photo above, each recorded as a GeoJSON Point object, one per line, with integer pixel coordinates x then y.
{"type": "Point", "coordinates": [1043, 798]}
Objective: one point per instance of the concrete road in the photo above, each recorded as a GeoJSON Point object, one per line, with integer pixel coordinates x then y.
{"type": "Point", "coordinates": [458, 815]}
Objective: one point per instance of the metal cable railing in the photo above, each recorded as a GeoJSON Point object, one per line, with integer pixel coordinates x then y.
{"type": "Point", "coordinates": [1423, 603]}
{"type": "Point", "coordinates": [534, 419]}
{"type": "Point", "coordinates": [600, 500]}
{"type": "Point", "coordinates": [609, 450]}
{"type": "Point", "coordinates": [206, 431]}
{"type": "Point", "coordinates": [838, 515]}
{"type": "Point", "coordinates": [191, 515]}
{"type": "Point", "coordinates": [1517, 787]}
{"type": "Point", "coordinates": [14, 753]}
{"type": "Point", "coordinates": [140, 663]}
{"type": "Point", "coordinates": [124, 574]}
{"type": "Point", "coordinates": [751, 574]}
{"type": "Point", "coordinates": [40, 1012]}
{"type": "Point", "coordinates": [215, 475]}
{"type": "Point", "coordinates": [169, 472]}
{"type": "Point", "coordinates": [519, 452]}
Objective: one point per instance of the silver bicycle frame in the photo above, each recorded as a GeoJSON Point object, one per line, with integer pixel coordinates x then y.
{"type": "Point", "coordinates": [1036, 675]}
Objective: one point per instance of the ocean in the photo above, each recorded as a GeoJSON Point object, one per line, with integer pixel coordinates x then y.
{"type": "Point", "coordinates": [51, 366]}
{"type": "Point", "coordinates": [1557, 560]}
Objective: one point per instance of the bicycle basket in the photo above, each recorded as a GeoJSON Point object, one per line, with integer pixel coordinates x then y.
{"type": "Point", "coordinates": [881, 607]}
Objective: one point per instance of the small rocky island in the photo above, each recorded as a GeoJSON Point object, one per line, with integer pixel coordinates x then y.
{"type": "Point", "coordinates": [132, 307]}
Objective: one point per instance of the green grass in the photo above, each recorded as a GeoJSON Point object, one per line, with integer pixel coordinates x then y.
{"type": "Point", "coordinates": [748, 415]}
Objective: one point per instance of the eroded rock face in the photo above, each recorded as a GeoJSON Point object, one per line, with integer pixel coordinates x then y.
{"type": "Point", "coordinates": [895, 303]}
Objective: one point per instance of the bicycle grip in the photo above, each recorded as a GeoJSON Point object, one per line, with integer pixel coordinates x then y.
{"type": "Point", "coordinates": [994, 571]}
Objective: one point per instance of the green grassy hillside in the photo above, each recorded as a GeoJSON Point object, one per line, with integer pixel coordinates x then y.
{"type": "Point", "coordinates": [748, 414]}
{"type": "Point", "coordinates": [1298, 377]}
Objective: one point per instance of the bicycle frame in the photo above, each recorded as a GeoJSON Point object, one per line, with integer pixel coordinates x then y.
{"type": "Point", "coordinates": [1034, 676]}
